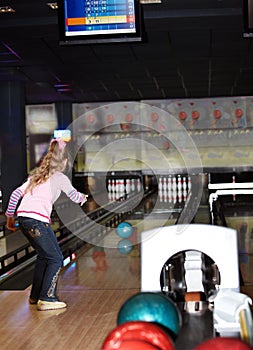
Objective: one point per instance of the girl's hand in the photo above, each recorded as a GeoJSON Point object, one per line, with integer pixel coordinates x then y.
{"type": "Point", "coordinates": [11, 224]}
{"type": "Point", "coordinates": [85, 199]}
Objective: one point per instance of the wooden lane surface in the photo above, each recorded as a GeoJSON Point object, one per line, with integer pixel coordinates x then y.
{"type": "Point", "coordinates": [90, 316]}
{"type": "Point", "coordinates": [94, 295]}
{"type": "Point", "coordinates": [94, 289]}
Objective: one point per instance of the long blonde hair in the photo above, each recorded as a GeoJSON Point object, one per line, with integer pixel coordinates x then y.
{"type": "Point", "coordinates": [56, 159]}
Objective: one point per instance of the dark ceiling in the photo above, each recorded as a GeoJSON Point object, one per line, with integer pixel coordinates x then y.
{"type": "Point", "coordinates": [191, 49]}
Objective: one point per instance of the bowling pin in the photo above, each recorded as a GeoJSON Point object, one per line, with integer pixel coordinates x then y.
{"type": "Point", "coordinates": [164, 183]}
{"type": "Point", "coordinates": [174, 183]}
{"type": "Point", "coordinates": [169, 183]}
{"type": "Point", "coordinates": [117, 185]}
{"type": "Point", "coordinates": [160, 184]}
{"type": "Point", "coordinates": [184, 194]}
{"type": "Point", "coordinates": [233, 180]}
{"type": "Point", "coordinates": [121, 186]}
{"type": "Point", "coordinates": [133, 185]}
{"type": "Point", "coordinates": [189, 183]}
{"type": "Point", "coordinates": [184, 183]}
{"type": "Point", "coordinates": [174, 195]}
{"type": "Point", "coordinates": [165, 196]}
{"type": "Point", "coordinates": [117, 195]}
{"type": "Point", "coordinates": [109, 186]}
{"type": "Point", "coordinates": [179, 183]}
{"type": "Point", "coordinates": [128, 186]}
{"type": "Point", "coordinates": [180, 196]}
{"type": "Point", "coordinates": [113, 189]}
{"type": "Point", "coordinates": [139, 185]}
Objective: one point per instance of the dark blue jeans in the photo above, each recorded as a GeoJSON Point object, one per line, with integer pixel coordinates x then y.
{"type": "Point", "coordinates": [49, 258]}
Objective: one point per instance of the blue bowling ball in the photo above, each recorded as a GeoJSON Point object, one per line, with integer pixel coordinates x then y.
{"type": "Point", "coordinates": [124, 230]}
{"type": "Point", "coordinates": [125, 246]}
{"type": "Point", "coordinates": [151, 307]}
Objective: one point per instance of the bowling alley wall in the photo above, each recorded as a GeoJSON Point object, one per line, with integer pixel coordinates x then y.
{"type": "Point", "coordinates": [220, 128]}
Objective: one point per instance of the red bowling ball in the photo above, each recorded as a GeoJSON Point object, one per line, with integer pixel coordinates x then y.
{"type": "Point", "coordinates": [132, 345]}
{"type": "Point", "coordinates": [223, 343]}
{"type": "Point", "coordinates": [146, 332]}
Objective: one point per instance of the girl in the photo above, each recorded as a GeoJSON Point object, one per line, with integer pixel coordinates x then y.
{"type": "Point", "coordinates": [38, 194]}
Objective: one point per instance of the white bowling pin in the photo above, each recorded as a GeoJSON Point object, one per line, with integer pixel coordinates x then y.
{"type": "Point", "coordinates": [164, 183]}
{"type": "Point", "coordinates": [189, 183]}
{"type": "Point", "coordinates": [139, 185]}
{"type": "Point", "coordinates": [109, 186]}
{"type": "Point", "coordinates": [169, 183]}
{"type": "Point", "coordinates": [160, 184]}
{"type": "Point", "coordinates": [128, 186]}
{"type": "Point", "coordinates": [179, 183]}
{"type": "Point", "coordinates": [184, 183]}
{"type": "Point", "coordinates": [233, 180]}
{"type": "Point", "coordinates": [184, 194]}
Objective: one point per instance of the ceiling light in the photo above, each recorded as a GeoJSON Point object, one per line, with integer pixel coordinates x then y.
{"type": "Point", "coordinates": [53, 5]}
{"type": "Point", "coordinates": [6, 9]}
{"type": "Point", "coordinates": [64, 90]}
{"type": "Point", "coordinates": [150, 2]}
{"type": "Point", "coordinates": [63, 87]}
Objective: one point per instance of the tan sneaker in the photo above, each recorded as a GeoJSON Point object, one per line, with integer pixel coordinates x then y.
{"type": "Point", "coordinates": [50, 305]}
{"type": "Point", "coordinates": [32, 301]}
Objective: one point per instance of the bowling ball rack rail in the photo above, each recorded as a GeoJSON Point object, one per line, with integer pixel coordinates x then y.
{"type": "Point", "coordinates": [85, 228]}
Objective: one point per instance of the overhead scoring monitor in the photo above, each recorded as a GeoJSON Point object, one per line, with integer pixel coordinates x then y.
{"type": "Point", "coordinates": [99, 21]}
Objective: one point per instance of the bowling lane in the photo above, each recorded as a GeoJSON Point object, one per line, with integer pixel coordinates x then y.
{"type": "Point", "coordinates": [107, 269]}
{"type": "Point", "coordinates": [90, 316]}
{"type": "Point", "coordinates": [95, 286]}
{"type": "Point", "coordinates": [238, 215]}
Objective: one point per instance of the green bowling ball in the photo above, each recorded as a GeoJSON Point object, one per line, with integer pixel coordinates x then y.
{"type": "Point", "coordinates": [151, 307]}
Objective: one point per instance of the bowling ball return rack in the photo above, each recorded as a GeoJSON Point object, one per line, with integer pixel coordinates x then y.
{"type": "Point", "coordinates": [196, 327]}
{"type": "Point", "coordinates": [222, 310]}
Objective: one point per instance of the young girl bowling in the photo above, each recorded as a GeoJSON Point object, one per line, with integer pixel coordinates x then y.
{"type": "Point", "coordinates": [36, 197]}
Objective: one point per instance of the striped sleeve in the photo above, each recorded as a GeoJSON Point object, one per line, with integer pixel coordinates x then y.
{"type": "Point", "coordinates": [65, 185]}
{"type": "Point", "coordinates": [75, 196]}
{"type": "Point", "coordinates": [13, 202]}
